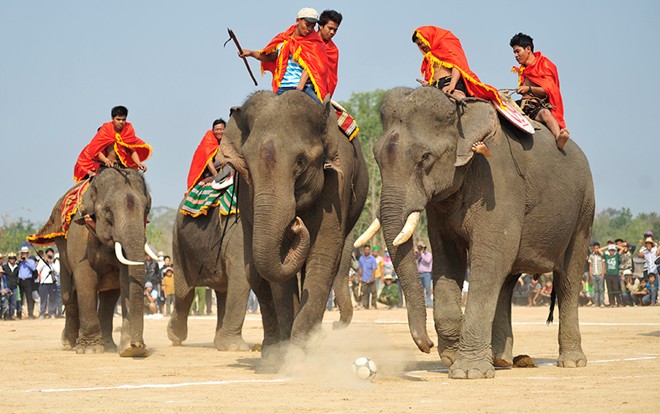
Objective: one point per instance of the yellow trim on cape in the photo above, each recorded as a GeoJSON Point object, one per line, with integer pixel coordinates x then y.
{"type": "Point", "coordinates": [119, 141]}
{"type": "Point", "coordinates": [203, 169]}
{"type": "Point", "coordinates": [45, 239]}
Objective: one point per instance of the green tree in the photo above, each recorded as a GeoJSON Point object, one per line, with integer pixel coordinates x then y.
{"type": "Point", "coordinates": [13, 233]}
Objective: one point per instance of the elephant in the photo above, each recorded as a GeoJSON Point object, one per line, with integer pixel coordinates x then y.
{"type": "Point", "coordinates": [303, 185]}
{"type": "Point", "coordinates": [101, 261]}
{"type": "Point", "coordinates": [528, 208]}
{"type": "Point", "coordinates": [208, 251]}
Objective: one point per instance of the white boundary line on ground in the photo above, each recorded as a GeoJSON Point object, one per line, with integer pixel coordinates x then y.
{"type": "Point", "coordinates": [399, 322]}
{"type": "Point", "coordinates": [142, 386]}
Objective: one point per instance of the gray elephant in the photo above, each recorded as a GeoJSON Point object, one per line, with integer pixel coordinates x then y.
{"type": "Point", "coordinates": [303, 185]}
{"type": "Point", "coordinates": [101, 261]}
{"type": "Point", "coordinates": [528, 208]}
{"type": "Point", "coordinates": [208, 251]}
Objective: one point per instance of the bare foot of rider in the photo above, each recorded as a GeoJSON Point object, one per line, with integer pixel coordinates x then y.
{"type": "Point", "coordinates": [481, 148]}
{"type": "Point", "coordinates": [563, 137]}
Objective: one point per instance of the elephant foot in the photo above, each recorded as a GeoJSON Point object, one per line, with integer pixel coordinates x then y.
{"type": "Point", "coordinates": [339, 325]}
{"type": "Point", "coordinates": [110, 345]}
{"type": "Point", "coordinates": [448, 356]}
{"type": "Point", "coordinates": [466, 369]}
{"type": "Point", "coordinates": [89, 346]}
{"type": "Point", "coordinates": [176, 332]}
{"type": "Point", "coordinates": [68, 342]}
{"type": "Point", "coordinates": [272, 352]}
{"type": "Point", "coordinates": [134, 350]}
{"type": "Point", "coordinates": [572, 359]}
{"type": "Point", "coordinates": [235, 343]}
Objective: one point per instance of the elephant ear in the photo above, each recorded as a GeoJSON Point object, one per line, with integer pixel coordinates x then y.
{"type": "Point", "coordinates": [477, 121]}
{"type": "Point", "coordinates": [232, 143]}
{"type": "Point", "coordinates": [329, 136]}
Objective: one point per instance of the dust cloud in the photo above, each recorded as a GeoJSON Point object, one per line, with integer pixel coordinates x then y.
{"type": "Point", "coordinates": [328, 356]}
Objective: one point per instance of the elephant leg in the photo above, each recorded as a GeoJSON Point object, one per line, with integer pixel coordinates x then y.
{"type": "Point", "coordinates": [229, 332]}
{"type": "Point", "coordinates": [89, 339]}
{"type": "Point", "coordinates": [285, 298]}
{"type": "Point", "coordinates": [340, 286]}
{"type": "Point", "coordinates": [567, 286]}
{"type": "Point", "coordinates": [262, 290]}
{"type": "Point", "coordinates": [107, 303]}
{"type": "Point", "coordinates": [475, 357]}
{"type": "Point", "coordinates": [448, 274]}
{"type": "Point", "coordinates": [71, 321]}
{"type": "Point", "coordinates": [177, 327]}
{"type": "Point", "coordinates": [502, 336]}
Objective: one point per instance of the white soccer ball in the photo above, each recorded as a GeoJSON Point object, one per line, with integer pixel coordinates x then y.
{"type": "Point", "coordinates": [364, 368]}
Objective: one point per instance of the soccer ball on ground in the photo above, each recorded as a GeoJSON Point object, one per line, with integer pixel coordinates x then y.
{"type": "Point", "coordinates": [364, 368]}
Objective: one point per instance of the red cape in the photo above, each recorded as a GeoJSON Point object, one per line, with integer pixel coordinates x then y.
{"type": "Point", "coordinates": [544, 74]}
{"type": "Point", "coordinates": [124, 143]}
{"type": "Point", "coordinates": [204, 153]}
{"type": "Point", "coordinates": [333, 64]}
{"type": "Point", "coordinates": [308, 51]}
{"type": "Point", "coordinates": [446, 50]}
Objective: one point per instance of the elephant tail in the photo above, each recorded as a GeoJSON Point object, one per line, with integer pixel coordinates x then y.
{"type": "Point", "coordinates": [553, 299]}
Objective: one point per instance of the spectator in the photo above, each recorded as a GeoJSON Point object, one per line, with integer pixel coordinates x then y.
{"type": "Point", "coordinates": [596, 271]}
{"type": "Point", "coordinates": [253, 302]}
{"type": "Point", "coordinates": [389, 295]}
{"type": "Point", "coordinates": [378, 273]}
{"type": "Point", "coordinates": [150, 298]}
{"type": "Point", "coordinates": [522, 290]}
{"type": "Point", "coordinates": [424, 268]}
{"type": "Point", "coordinates": [652, 286]}
{"type": "Point", "coordinates": [546, 292]}
{"type": "Point", "coordinates": [11, 274]}
{"type": "Point", "coordinates": [612, 260]}
{"type": "Point", "coordinates": [366, 273]}
{"type": "Point", "coordinates": [152, 272]}
{"type": "Point", "coordinates": [168, 289]}
{"type": "Point", "coordinates": [650, 254]}
{"type": "Point", "coordinates": [5, 292]}
{"type": "Point", "coordinates": [199, 304]}
{"type": "Point", "coordinates": [625, 256]}
{"type": "Point", "coordinates": [627, 288]}
{"type": "Point", "coordinates": [49, 271]}
{"type": "Point", "coordinates": [587, 293]}
{"type": "Point", "coordinates": [641, 293]}
{"type": "Point", "coordinates": [26, 272]}
{"type": "Point", "coordinates": [388, 269]}
{"type": "Point", "coordinates": [536, 290]}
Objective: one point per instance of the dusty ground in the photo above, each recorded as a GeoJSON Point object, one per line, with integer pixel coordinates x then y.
{"type": "Point", "coordinates": [622, 344]}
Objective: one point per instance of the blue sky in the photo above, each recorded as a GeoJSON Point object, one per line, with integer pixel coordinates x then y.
{"type": "Point", "coordinates": [66, 63]}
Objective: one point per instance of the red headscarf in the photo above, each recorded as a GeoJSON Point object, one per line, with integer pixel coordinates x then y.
{"type": "Point", "coordinates": [308, 51]}
{"type": "Point", "coordinates": [333, 64]}
{"type": "Point", "coordinates": [446, 50]}
{"type": "Point", "coordinates": [543, 72]}
{"type": "Point", "coordinates": [124, 143]}
{"type": "Point", "coordinates": [204, 153]}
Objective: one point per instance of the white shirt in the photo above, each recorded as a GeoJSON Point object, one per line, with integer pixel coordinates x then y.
{"type": "Point", "coordinates": [45, 277]}
{"type": "Point", "coordinates": [649, 259]}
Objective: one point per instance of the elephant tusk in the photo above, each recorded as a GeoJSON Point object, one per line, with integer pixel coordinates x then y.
{"type": "Point", "coordinates": [368, 234]}
{"type": "Point", "coordinates": [408, 229]}
{"type": "Point", "coordinates": [122, 259]}
{"type": "Point", "coordinates": [150, 252]}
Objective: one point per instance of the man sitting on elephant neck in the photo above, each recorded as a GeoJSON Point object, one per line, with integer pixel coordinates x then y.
{"type": "Point", "coordinates": [204, 164]}
{"type": "Point", "coordinates": [538, 83]}
{"type": "Point", "coordinates": [114, 144]}
{"type": "Point", "coordinates": [297, 58]}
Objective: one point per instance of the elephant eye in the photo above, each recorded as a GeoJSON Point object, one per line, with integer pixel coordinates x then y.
{"type": "Point", "coordinates": [301, 164]}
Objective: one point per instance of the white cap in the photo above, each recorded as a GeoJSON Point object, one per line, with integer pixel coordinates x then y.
{"type": "Point", "coordinates": [308, 14]}
{"type": "Point", "coordinates": [627, 272]}
{"type": "Point", "coordinates": [25, 249]}
{"type": "Point", "coordinates": [611, 247]}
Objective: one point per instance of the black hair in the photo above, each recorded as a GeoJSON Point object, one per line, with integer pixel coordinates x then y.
{"type": "Point", "coordinates": [522, 40]}
{"type": "Point", "coordinates": [119, 111]}
{"type": "Point", "coordinates": [40, 252]}
{"type": "Point", "coordinates": [219, 121]}
{"type": "Point", "coordinates": [596, 244]}
{"type": "Point", "coordinates": [50, 249]}
{"type": "Point", "coordinates": [328, 15]}
{"type": "Point", "coordinates": [618, 241]}
{"type": "Point", "coordinates": [367, 245]}
{"type": "Point", "coordinates": [414, 37]}
{"type": "Point", "coordinates": [167, 257]}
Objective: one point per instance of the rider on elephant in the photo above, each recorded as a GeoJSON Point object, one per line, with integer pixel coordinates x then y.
{"type": "Point", "coordinates": [203, 163]}
{"type": "Point", "coordinates": [538, 83]}
{"type": "Point", "coordinates": [446, 67]}
{"type": "Point", "coordinates": [114, 143]}
{"type": "Point", "coordinates": [297, 58]}
{"type": "Point", "coordinates": [329, 22]}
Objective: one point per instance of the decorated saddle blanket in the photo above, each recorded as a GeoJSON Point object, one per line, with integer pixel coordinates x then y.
{"type": "Point", "coordinates": [346, 123]}
{"type": "Point", "coordinates": [203, 196]}
{"type": "Point", "coordinates": [61, 216]}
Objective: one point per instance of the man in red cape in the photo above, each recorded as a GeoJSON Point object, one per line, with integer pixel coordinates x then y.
{"type": "Point", "coordinates": [115, 142]}
{"type": "Point", "coordinates": [538, 83]}
{"type": "Point", "coordinates": [297, 58]}
{"type": "Point", "coordinates": [445, 65]}
{"type": "Point", "coordinates": [329, 22]}
{"type": "Point", "coordinates": [203, 161]}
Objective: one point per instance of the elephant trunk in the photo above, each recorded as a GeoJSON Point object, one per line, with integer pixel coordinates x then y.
{"type": "Point", "coordinates": [392, 216]}
{"type": "Point", "coordinates": [281, 240]}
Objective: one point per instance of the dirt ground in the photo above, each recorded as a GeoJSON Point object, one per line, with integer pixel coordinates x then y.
{"type": "Point", "coordinates": [622, 344]}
